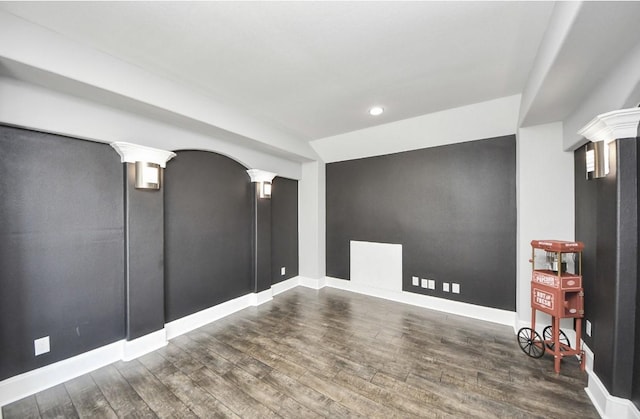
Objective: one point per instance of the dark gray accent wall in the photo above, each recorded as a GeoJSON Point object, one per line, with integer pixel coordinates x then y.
{"type": "Point", "coordinates": [626, 264]}
{"type": "Point", "coordinates": [262, 242]}
{"type": "Point", "coordinates": [144, 261]}
{"type": "Point", "coordinates": [61, 247]}
{"type": "Point", "coordinates": [284, 229]}
{"type": "Point", "coordinates": [453, 208]}
{"type": "Point", "coordinates": [635, 389]}
{"type": "Point", "coordinates": [586, 221]}
{"type": "Point", "coordinates": [607, 222]}
{"type": "Point", "coordinates": [208, 232]}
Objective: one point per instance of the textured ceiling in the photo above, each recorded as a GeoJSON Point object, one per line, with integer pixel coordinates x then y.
{"type": "Point", "coordinates": [314, 68]}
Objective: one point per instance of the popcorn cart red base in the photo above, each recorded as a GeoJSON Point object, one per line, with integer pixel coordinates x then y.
{"type": "Point", "coordinates": [558, 293]}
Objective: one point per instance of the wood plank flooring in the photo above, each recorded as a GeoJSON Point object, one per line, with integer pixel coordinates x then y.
{"type": "Point", "coordinates": [326, 353]}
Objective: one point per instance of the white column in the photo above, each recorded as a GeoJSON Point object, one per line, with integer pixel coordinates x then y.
{"type": "Point", "coordinates": [312, 226]}
{"type": "Point", "coordinates": [545, 200]}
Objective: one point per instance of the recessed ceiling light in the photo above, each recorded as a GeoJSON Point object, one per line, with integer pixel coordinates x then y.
{"type": "Point", "coordinates": [376, 110]}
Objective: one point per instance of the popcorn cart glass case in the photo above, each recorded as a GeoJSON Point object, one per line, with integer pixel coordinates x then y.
{"type": "Point", "coordinates": [556, 289]}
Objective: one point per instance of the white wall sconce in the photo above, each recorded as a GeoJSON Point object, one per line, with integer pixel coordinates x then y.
{"type": "Point", "coordinates": [148, 161]}
{"type": "Point", "coordinates": [597, 156]}
{"type": "Point", "coordinates": [263, 180]}
{"type": "Point", "coordinates": [147, 175]}
{"type": "Point", "coordinates": [602, 130]}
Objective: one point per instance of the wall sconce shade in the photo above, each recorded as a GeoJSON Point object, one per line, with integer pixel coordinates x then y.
{"type": "Point", "coordinates": [147, 175]}
{"type": "Point", "coordinates": [597, 159]}
{"type": "Point", "coordinates": [264, 189]}
{"type": "Point", "coordinates": [263, 182]}
{"type": "Point", "coordinates": [591, 160]}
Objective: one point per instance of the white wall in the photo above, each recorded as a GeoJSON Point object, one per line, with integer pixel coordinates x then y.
{"type": "Point", "coordinates": [545, 199]}
{"type": "Point", "coordinates": [30, 106]}
{"type": "Point", "coordinates": [467, 123]}
{"type": "Point", "coordinates": [312, 220]}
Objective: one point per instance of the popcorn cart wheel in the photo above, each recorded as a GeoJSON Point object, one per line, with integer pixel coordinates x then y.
{"type": "Point", "coordinates": [530, 342]}
{"type": "Point", "coordinates": [547, 333]}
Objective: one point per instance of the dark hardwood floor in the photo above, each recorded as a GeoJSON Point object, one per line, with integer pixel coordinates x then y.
{"type": "Point", "coordinates": [327, 353]}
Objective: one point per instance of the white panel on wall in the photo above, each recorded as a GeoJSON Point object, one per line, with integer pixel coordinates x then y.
{"type": "Point", "coordinates": [377, 265]}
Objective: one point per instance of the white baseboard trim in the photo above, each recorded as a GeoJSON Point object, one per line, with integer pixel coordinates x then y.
{"type": "Point", "coordinates": [315, 283]}
{"type": "Point", "coordinates": [448, 306]}
{"type": "Point", "coordinates": [259, 298]}
{"type": "Point", "coordinates": [285, 285]}
{"type": "Point", "coordinates": [608, 406]}
{"type": "Point", "coordinates": [588, 358]}
{"type": "Point", "coordinates": [23, 385]}
{"type": "Point", "coordinates": [206, 316]}
{"type": "Point", "coordinates": [132, 349]}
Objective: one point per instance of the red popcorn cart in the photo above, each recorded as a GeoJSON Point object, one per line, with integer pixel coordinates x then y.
{"type": "Point", "coordinates": [556, 289]}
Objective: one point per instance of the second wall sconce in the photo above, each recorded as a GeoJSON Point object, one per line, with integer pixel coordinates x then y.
{"type": "Point", "coordinates": [148, 161]}
{"type": "Point", "coordinates": [263, 181]}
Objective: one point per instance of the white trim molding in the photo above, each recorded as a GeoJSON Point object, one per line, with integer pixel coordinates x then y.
{"type": "Point", "coordinates": [493, 315]}
{"type": "Point", "coordinates": [314, 283]}
{"type": "Point", "coordinates": [608, 406]}
{"type": "Point", "coordinates": [206, 316]}
{"type": "Point", "coordinates": [31, 382]}
{"type": "Point", "coordinates": [588, 355]}
{"type": "Point", "coordinates": [612, 125]}
{"type": "Point", "coordinates": [18, 387]}
{"type": "Point", "coordinates": [285, 285]}
{"type": "Point", "coordinates": [132, 349]}
{"type": "Point", "coordinates": [131, 153]}
{"type": "Point", "coordinates": [259, 298]}
{"type": "Point", "coordinates": [23, 385]}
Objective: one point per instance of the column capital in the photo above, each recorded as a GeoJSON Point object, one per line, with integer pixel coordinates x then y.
{"type": "Point", "coordinates": [613, 125]}
{"type": "Point", "coordinates": [258, 175]}
{"type": "Point", "coordinates": [131, 153]}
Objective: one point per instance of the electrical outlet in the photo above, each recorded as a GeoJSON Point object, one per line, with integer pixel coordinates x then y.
{"type": "Point", "coordinates": [283, 270]}
{"type": "Point", "coordinates": [587, 327]}
{"type": "Point", "coordinates": [432, 284]}
{"type": "Point", "coordinates": [415, 281]}
{"type": "Point", "coordinates": [425, 283]}
{"type": "Point", "coordinates": [42, 345]}
{"type": "Point", "coordinates": [445, 286]}
{"type": "Point", "coordinates": [455, 288]}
